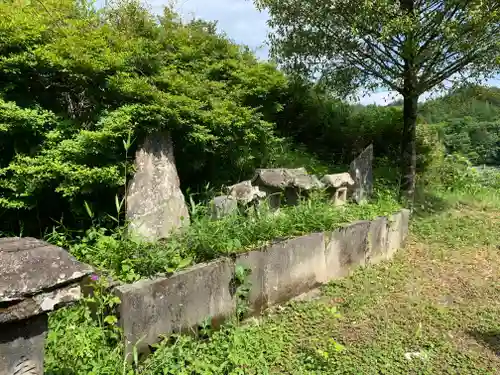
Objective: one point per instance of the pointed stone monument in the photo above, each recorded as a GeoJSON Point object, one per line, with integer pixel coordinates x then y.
{"type": "Point", "coordinates": [361, 171]}
{"type": "Point", "coordinates": [155, 203]}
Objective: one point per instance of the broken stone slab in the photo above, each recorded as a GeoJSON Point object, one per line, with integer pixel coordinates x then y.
{"type": "Point", "coordinates": [223, 205]}
{"type": "Point", "coordinates": [35, 278]}
{"type": "Point", "coordinates": [346, 249]}
{"type": "Point", "coordinates": [288, 184]}
{"type": "Point", "coordinates": [152, 308]}
{"type": "Point", "coordinates": [40, 303]}
{"type": "Point", "coordinates": [155, 203]}
{"type": "Point", "coordinates": [378, 240]}
{"type": "Point", "coordinates": [398, 224]}
{"type": "Point", "coordinates": [245, 193]}
{"type": "Point", "coordinates": [284, 270]}
{"type": "Point", "coordinates": [361, 170]}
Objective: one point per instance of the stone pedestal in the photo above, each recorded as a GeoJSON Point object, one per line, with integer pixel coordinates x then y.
{"type": "Point", "coordinates": [340, 196]}
{"type": "Point", "coordinates": [337, 186]}
{"type": "Point", "coordinates": [35, 278]}
{"type": "Point", "coordinates": [22, 346]}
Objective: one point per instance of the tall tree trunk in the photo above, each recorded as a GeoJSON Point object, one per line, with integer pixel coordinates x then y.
{"type": "Point", "coordinates": [408, 157]}
{"type": "Point", "coordinates": [408, 148]}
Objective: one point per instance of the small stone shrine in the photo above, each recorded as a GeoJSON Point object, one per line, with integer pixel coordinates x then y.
{"type": "Point", "coordinates": [286, 184]}
{"type": "Point", "coordinates": [361, 171]}
{"type": "Point", "coordinates": [35, 278]}
{"type": "Point", "coordinates": [337, 185]}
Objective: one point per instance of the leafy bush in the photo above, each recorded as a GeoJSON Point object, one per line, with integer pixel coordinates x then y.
{"type": "Point", "coordinates": [78, 344]}
{"type": "Point", "coordinates": [76, 82]}
{"type": "Point", "coordinates": [455, 173]}
{"type": "Point", "coordinates": [478, 141]}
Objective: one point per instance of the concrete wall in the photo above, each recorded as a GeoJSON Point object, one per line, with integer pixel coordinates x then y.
{"type": "Point", "coordinates": [280, 271]}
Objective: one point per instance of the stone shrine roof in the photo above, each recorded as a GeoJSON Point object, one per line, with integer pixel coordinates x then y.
{"type": "Point", "coordinates": [29, 266]}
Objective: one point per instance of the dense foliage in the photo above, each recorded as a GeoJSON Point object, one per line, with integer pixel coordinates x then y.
{"type": "Point", "coordinates": [469, 122]}
{"type": "Point", "coordinates": [76, 83]}
{"type": "Point", "coordinates": [336, 130]}
{"type": "Point", "coordinates": [466, 121]}
{"type": "Point", "coordinates": [407, 46]}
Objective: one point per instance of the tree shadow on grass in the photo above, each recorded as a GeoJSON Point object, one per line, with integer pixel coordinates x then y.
{"type": "Point", "coordinates": [489, 339]}
{"type": "Point", "coordinates": [427, 203]}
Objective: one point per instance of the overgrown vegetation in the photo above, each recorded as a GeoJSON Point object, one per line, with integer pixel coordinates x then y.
{"type": "Point", "coordinates": [78, 84]}
{"type": "Point", "coordinates": [206, 239]}
{"type": "Point", "coordinates": [362, 324]}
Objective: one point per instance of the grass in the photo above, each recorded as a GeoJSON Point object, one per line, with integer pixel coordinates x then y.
{"type": "Point", "coordinates": [437, 298]}
{"type": "Point", "coordinates": [206, 239]}
{"type": "Point", "coordinates": [432, 310]}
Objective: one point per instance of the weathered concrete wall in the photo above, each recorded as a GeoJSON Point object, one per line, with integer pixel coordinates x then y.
{"type": "Point", "coordinates": [279, 272]}
{"type": "Point", "coordinates": [150, 308]}
{"type": "Point", "coordinates": [285, 269]}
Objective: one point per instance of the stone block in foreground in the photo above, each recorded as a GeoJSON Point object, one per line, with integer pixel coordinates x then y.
{"type": "Point", "coordinates": [378, 240]}
{"type": "Point", "coordinates": [35, 278]}
{"type": "Point", "coordinates": [284, 269]}
{"type": "Point", "coordinates": [279, 272]}
{"type": "Point", "coordinates": [346, 248]}
{"type": "Point", "coordinates": [397, 231]}
{"type": "Point", "coordinates": [152, 308]}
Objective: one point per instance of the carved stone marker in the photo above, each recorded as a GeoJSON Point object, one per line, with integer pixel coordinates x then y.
{"type": "Point", "coordinates": [284, 183]}
{"type": "Point", "coordinates": [337, 185]}
{"type": "Point", "coordinates": [155, 203]}
{"type": "Point", "coordinates": [361, 171]}
{"type": "Point", "coordinates": [35, 278]}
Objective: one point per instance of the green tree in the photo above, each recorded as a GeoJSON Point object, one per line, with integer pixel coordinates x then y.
{"type": "Point", "coordinates": [409, 46]}
{"type": "Point", "coordinates": [76, 81]}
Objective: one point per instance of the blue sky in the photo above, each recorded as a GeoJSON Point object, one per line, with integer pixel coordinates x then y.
{"type": "Point", "coordinates": [244, 24]}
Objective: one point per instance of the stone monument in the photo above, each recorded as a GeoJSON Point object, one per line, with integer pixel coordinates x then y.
{"type": "Point", "coordinates": [361, 171]}
{"type": "Point", "coordinates": [155, 203]}
{"type": "Point", "coordinates": [35, 278]}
